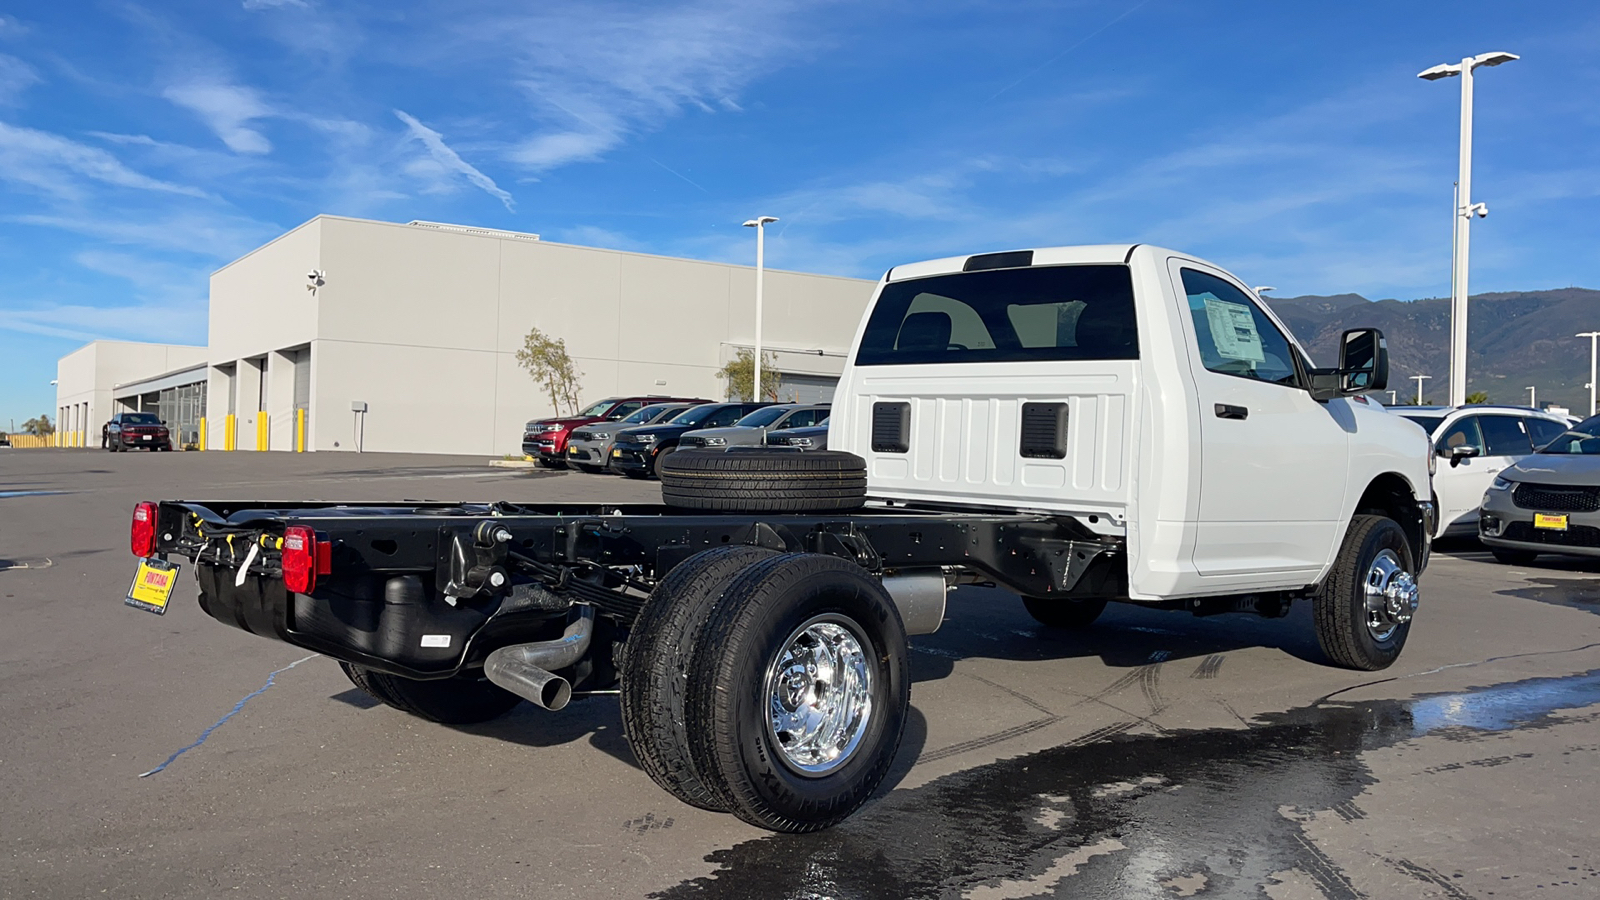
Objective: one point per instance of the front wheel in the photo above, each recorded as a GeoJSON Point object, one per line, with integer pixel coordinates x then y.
{"type": "Point", "coordinates": [797, 692]}
{"type": "Point", "coordinates": [1514, 557]}
{"type": "Point", "coordinates": [1363, 608]}
{"type": "Point", "coordinates": [462, 700]}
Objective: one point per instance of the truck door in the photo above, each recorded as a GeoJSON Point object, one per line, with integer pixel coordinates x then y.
{"type": "Point", "coordinates": [1273, 461]}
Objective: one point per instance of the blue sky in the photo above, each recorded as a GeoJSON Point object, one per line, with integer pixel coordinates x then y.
{"type": "Point", "coordinates": [144, 145]}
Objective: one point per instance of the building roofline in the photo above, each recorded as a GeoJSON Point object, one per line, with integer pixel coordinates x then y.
{"type": "Point", "coordinates": [489, 235]}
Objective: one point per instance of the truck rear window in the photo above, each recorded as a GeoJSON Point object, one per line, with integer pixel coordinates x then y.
{"type": "Point", "coordinates": [1004, 315]}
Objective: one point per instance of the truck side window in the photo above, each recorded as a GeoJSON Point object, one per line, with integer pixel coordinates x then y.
{"type": "Point", "coordinates": [1464, 433]}
{"type": "Point", "coordinates": [1236, 337]}
{"type": "Point", "coordinates": [1504, 436]}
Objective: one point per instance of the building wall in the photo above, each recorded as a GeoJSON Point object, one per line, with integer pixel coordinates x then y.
{"type": "Point", "coordinates": [86, 376]}
{"type": "Point", "coordinates": [260, 306]}
{"type": "Point", "coordinates": [423, 325]}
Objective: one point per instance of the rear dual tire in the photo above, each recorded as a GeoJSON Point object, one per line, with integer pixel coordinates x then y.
{"type": "Point", "coordinates": [792, 681]}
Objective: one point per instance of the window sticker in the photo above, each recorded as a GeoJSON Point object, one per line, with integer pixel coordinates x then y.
{"type": "Point", "coordinates": [1233, 329]}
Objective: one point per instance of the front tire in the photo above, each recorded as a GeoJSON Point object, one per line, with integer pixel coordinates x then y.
{"type": "Point", "coordinates": [462, 700]}
{"type": "Point", "coordinates": [1514, 557]}
{"type": "Point", "coordinates": [797, 693]}
{"type": "Point", "coordinates": [1063, 612]}
{"type": "Point", "coordinates": [1363, 609]}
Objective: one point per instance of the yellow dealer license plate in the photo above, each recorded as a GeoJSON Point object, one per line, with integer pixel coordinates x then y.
{"type": "Point", "coordinates": [572, 451]}
{"type": "Point", "coordinates": [616, 453]}
{"type": "Point", "coordinates": [152, 585]}
{"type": "Point", "coordinates": [1558, 523]}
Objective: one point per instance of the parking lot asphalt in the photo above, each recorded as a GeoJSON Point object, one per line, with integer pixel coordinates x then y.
{"type": "Point", "coordinates": [1154, 755]}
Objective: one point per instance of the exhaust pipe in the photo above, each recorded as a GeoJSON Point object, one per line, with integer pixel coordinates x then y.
{"type": "Point", "coordinates": [524, 669]}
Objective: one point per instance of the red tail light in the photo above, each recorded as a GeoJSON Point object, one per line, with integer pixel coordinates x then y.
{"type": "Point", "coordinates": [142, 538]}
{"type": "Point", "coordinates": [300, 559]}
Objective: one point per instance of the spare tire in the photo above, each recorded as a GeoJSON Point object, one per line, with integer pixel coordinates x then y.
{"type": "Point", "coordinates": [758, 479]}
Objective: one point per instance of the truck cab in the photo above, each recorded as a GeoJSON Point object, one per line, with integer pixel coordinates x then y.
{"type": "Point", "coordinates": [1147, 394]}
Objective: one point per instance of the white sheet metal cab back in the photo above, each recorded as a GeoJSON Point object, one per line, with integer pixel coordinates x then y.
{"type": "Point", "coordinates": [1220, 480]}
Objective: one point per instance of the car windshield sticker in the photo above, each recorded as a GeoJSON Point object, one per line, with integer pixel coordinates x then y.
{"type": "Point", "coordinates": [1233, 329]}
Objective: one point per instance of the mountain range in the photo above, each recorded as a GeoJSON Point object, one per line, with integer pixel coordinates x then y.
{"type": "Point", "coordinates": [1514, 340]}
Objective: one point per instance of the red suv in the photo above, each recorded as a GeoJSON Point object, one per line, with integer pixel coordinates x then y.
{"type": "Point", "coordinates": [133, 430]}
{"type": "Point", "coordinates": [546, 439]}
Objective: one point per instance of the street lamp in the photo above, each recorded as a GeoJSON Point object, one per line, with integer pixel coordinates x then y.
{"type": "Point", "coordinates": [1465, 210]}
{"type": "Point", "coordinates": [1591, 335]}
{"type": "Point", "coordinates": [759, 223]}
{"type": "Point", "coordinates": [1418, 379]}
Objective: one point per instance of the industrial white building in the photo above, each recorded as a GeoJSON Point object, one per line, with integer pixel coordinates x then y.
{"type": "Point", "coordinates": [420, 323]}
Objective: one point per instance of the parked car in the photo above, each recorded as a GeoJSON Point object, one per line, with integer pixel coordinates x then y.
{"type": "Point", "coordinates": [753, 429]}
{"type": "Point", "coordinates": [546, 439]}
{"type": "Point", "coordinates": [814, 437]}
{"type": "Point", "coordinates": [5, 439]}
{"type": "Point", "coordinates": [589, 446]}
{"type": "Point", "coordinates": [131, 430]}
{"type": "Point", "coordinates": [1547, 502]}
{"type": "Point", "coordinates": [637, 450]}
{"type": "Point", "coordinates": [1474, 443]}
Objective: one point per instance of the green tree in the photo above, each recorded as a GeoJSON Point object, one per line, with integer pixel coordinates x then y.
{"type": "Point", "coordinates": [1478, 397]}
{"type": "Point", "coordinates": [552, 368]}
{"type": "Point", "coordinates": [41, 425]}
{"type": "Point", "coordinates": [740, 375]}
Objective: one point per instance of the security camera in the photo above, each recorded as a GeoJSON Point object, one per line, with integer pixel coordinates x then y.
{"type": "Point", "coordinates": [315, 275]}
{"type": "Point", "coordinates": [1481, 210]}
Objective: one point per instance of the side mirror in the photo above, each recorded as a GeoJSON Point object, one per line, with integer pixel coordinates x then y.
{"type": "Point", "coordinates": [1363, 361]}
{"type": "Point", "coordinates": [1457, 454]}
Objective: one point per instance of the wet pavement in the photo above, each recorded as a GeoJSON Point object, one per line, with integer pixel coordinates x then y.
{"type": "Point", "coordinates": [1210, 812]}
{"type": "Point", "coordinates": [1154, 755]}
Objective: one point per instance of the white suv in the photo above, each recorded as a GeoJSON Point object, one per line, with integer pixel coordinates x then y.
{"type": "Point", "coordinates": [1473, 444]}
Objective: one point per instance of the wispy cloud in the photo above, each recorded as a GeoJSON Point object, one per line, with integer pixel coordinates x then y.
{"type": "Point", "coordinates": [58, 166]}
{"type": "Point", "coordinates": [228, 110]}
{"type": "Point", "coordinates": [599, 75]}
{"type": "Point", "coordinates": [16, 76]}
{"type": "Point", "coordinates": [151, 322]}
{"type": "Point", "coordinates": [449, 161]}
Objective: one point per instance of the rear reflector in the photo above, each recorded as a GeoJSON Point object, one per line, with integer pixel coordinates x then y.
{"type": "Point", "coordinates": [142, 537]}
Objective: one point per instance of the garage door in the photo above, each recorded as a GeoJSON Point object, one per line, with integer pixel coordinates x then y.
{"type": "Point", "coordinates": [806, 388]}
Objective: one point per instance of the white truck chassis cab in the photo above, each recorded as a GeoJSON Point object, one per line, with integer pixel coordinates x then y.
{"type": "Point", "coordinates": [1080, 425]}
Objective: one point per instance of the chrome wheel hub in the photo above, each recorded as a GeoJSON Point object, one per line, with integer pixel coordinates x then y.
{"type": "Point", "coordinates": [819, 695]}
{"type": "Point", "coordinates": [1391, 596]}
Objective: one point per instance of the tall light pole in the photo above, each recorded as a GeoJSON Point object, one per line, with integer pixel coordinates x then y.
{"type": "Point", "coordinates": [1465, 210]}
{"type": "Point", "coordinates": [1418, 379]}
{"type": "Point", "coordinates": [1591, 335]}
{"type": "Point", "coordinates": [759, 223]}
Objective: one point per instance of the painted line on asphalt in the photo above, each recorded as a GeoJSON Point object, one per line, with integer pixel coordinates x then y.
{"type": "Point", "coordinates": [231, 713]}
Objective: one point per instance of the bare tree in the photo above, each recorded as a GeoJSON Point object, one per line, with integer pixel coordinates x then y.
{"type": "Point", "coordinates": [552, 368]}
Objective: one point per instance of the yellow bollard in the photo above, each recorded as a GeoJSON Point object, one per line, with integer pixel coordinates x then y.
{"type": "Point", "coordinates": [202, 434]}
{"type": "Point", "coordinates": [261, 429]}
{"type": "Point", "coordinates": [230, 432]}
{"type": "Point", "coordinates": [300, 431]}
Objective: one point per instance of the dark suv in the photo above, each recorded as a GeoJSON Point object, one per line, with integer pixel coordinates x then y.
{"type": "Point", "coordinates": [546, 439]}
{"type": "Point", "coordinates": [131, 430]}
{"type": "Point", "coordinates": [637, 450]}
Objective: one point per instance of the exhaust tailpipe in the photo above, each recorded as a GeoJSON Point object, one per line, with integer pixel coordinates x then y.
{"type": "Point", "coordinates": [524, 669]}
